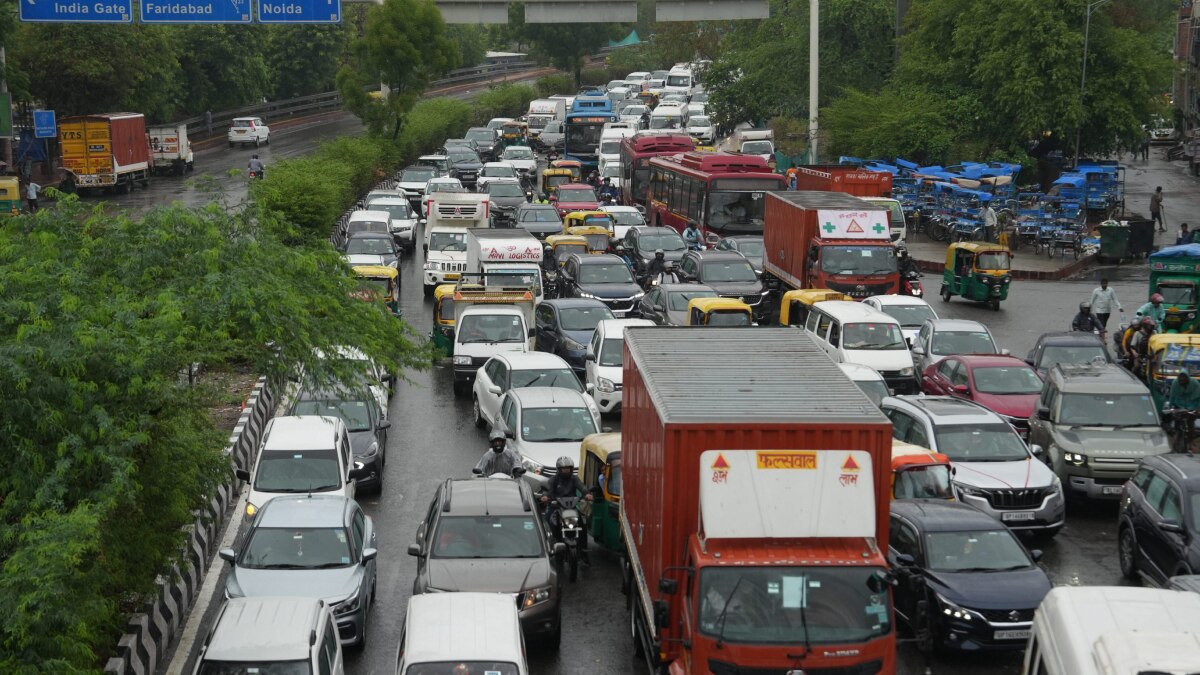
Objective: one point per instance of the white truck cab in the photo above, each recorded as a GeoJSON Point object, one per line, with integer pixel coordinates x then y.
{"type": "Point", "coordinates": [488, 321]}
{"type": "Point", "coordinates": [450, 215]}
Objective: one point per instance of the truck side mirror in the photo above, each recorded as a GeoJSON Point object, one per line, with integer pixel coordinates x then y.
{"type": "Point", "coordinates": [415, 550]}
{"type": "Point", "coordinates": [918, 350]}
{"type": "Point", "coordinates": [668, 586]}
{"type": "Point", "coordinates": [242, 475]}
{"type": "Point", "coordinates": [1042, 413]}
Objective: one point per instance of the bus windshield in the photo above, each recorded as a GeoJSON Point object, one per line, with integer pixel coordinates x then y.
{"type": "Point", "coordinates": [732, 213]}
{"type": "Point", "coordinates": [582, 139]}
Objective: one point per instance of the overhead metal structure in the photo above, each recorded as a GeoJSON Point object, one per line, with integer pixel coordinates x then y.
{"type": "Point", "coordinates": [600, 11]}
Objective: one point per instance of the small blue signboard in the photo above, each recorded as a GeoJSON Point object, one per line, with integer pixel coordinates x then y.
{"type": "Point", "coordinates": [76, 11]}
{"type": "Point", "coordinates": [195, 11]}
{"type": "Point", "coordinates": [299, 11]}
{"type": "Point", "coordinates": [44, 124]}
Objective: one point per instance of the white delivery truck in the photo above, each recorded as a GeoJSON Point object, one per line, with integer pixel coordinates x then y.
{"type": "Point", "coordinates": [754, 142]}
{"type": "Point", "coordinates": [543, 110]}
{"type": "Point", "coordinates": [170, 149]}
{"type": "Point", "coordinates": [505, 257]}
{"type": "Point", "coordinates": [450, 215]}
{"type": "Point", "coordinates": [680, 80]}
{"type": "Point", "coordinates": [488, 321]}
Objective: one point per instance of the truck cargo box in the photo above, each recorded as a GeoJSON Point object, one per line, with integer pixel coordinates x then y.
{"type": "Point", "coordinates": [106, 149]}
{"type": "Point", "coordinates": [848, 179]}
{"type": "Point", "coordinates": [793, 219]}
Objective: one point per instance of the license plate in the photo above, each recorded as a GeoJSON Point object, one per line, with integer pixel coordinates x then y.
{"type": "Point", "coordinates": [1011, 635]}
{"type": "Point", "coordinates": [1110, 490]}
{"type": "Point", "coordinates": [453, 277]}
{"type": "Point", "coordinates": [240, 131]}
{"type": "Point", "coordinates": [1017, 515]}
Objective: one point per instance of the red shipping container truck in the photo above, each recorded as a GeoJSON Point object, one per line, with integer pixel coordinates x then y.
{"type": "Point", "coordinates": [754, 506]}
{"type": "Point", "coordinates": [829, 240]}
{"type": "Point", "coordinates": [847, 179]}
{"type": "Point", "coordinates": [108, 150]}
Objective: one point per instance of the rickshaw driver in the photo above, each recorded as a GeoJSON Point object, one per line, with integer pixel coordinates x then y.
{"type": "Point", "coordinates": [1185, 393]}
{"type": "Point", "coordinates": [966, 261]}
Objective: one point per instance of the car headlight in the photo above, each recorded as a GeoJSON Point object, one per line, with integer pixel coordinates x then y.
{"type": "Point", "coordinates": [1075, 459]}
{"type": "Point", "coordinates": [431, 266]}
{"type": "Point", "coordinates": [605, 385]}
{"type": "Point", "coordinates": [347, 606]}
{"type": "Point", "coordinates": [531, 466]}
{"type": "Point", "coordinates": [462, 360]}
{"type": "Point", "coordinates": [251, 509]}
{"type": "Point", "coordinates": [587, 295]}
{"type": "Point", "coordinates": [573, 345]}
{"type": "Point", "coordinates": [394, 264]}
{"type": "Point", "coordinates": [638, 295]}
{"type": "Point", "coordinates": [371, 451]}
{"type": "Point", "coordinates": [535, 596]}
{"type": "Point", "coordinates": [953, 611]}
{"type": "Point", "coordinates": [1055, 483]}
{"type": "Point", "coordinates": [906, 372]}
{"type": "Point", "coordinates": [968, 491]}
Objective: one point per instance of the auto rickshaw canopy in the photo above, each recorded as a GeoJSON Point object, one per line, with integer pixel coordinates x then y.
{"type": "Point", "coordinates": [803, 300]}
{"type": "Point", "coordinates": [979, 250]}
{"type": "Point", "coordinates": [602, 219]}
{"type": "Point", "coordinates": [597, 236]}
{"type": "Point", "coordinates": [571, 165]}
{"type": "Point", "coordinates": [443, 301]}
{"type": "Point", "coordinates": [606, 448]}
{"type": "Point", "coordinates": [919, 473]}
{"type": "Point", "coordinates": [563, 245]}
{"type": "Point", "coordinates": [552, 178]}
{"type": "Point", "coordinates": [728, 311]}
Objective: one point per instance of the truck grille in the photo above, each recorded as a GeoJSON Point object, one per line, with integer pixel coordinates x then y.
{"type": "Point", "coordinates": [724, 668]}
{"type": "Point", "coordinates": [453, 267]}
{"type": "Point", "coordinates": [1016, 498]}
{"type": "Point", "coordinates": [859, 291]}
{"type": "Point", "coordinates": [465, 211]}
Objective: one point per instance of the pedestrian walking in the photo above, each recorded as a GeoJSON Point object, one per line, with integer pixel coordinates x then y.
{"type": "Point", "coordinates": [1103, 301]}
{"type": "Point", "coordinates": [31, 195]}
{"type": "Point", "coordinates": [1156, 204]}
{"type": "Point", "coordinates": [1146, 145]}
{"type": "Point", "coordinates": [208, 121]}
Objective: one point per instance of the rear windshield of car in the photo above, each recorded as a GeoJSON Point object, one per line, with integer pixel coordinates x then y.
{"type": "Point", "coordinates": [355, 414]}
{"type": "Point", "coordinates": [583, 318]}
{"type": "Point", "coordinates": [472, 537]}
{"type": "Point", "coordinates": [242, 124]}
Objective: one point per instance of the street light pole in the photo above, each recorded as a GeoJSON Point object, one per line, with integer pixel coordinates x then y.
{"type": "Point", "coordinates": [813, 75]}
{"type": "Point", "coordinates": [1087, 29]}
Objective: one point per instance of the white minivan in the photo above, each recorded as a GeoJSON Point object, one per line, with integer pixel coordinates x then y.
{"type": "Point", "coordinates": [603, 365]}
{"type": "Point", "coordinates": [851, 332]}
{"type": "Point", "coordinates": [461, 632]}
{"type": "Point", "coordinates": [273, 635]}
{"type": "Point", "coordinates": [301, 454]}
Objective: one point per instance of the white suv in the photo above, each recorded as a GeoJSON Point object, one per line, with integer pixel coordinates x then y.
{"type": "Point", "coordinates": [602, 369]}
{"type": "Point", "coordinates": [276, 634]}
{"type": "Point", "coordinates": [246, 130]}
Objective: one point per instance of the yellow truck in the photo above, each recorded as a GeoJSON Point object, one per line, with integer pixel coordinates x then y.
{"type": "Point", "coordinates": [108, 151]}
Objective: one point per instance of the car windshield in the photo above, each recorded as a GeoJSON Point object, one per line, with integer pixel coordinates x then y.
{"type": "Point", "coordinates": [583, 318]}
{"type": "Point", "coordinates": [486, 537]}
{"type": "Point", "coordinates": [517, 152]}
{"type": "Point", "coordinates": [634, 111]}
{"type": "Point", "coordinates": [447, 241]}
{"type": "Point", "coordinates": [481, 135]}
{"type": "Point", "coordinates": [1006, 380]}
{"type": "Point", "coordinates": [736, 212]}
{"type": "Point", "coordinates": [297, 471]}
{"type": "Point", "coordinates": [664, 121]}
{"type": "Point", "coordinates": [556, 425]}
{"type": "Point", "coordinates": [779, 605]}
{"type": "Point", "coordinates": [419, 174]}
{"type": "Point", "coordinates": [501, 171]}
{"type": "Point", "coordinates": [728, 271]}
{"type": "Point", "coordinates": [548, 215]}
{"type": "Point", "coordinates": [667, 241]}
{"type": "Point", "coordinates": [610, 146]}
{"type": "Point", "coordinates": [367, 226]}
{"type": "Point", "coordinates": [875, 390]}
{"type": "Point", "coordinates": [980, 443]}
{"type": "Point", "coordinates": [985, 551]}
{"type": "Point", "coordinates": [461, 667]}
{"type": "Point", "coordinates": [355, 414]}
{"type": "Point", "coordinates": [611, 171]}
{"type": "Point", "coordinates": [553, 128]}
{"type": "Point", "coordinates": [700, 98]}
{"type": "Point", "coordinates": [605, 273]}
{"type": "Point", "coordinates": [758, 147]}
{"type": "Point", "coordinates": [447, 187]}
{"type": "Point", "coordinates": [1107, 410]}
{"type": "Point", "coordinates": [576, 195]}
{"type": "Point", "coordinates": [610, 352]}
{"type": "Point", "coordinates": [296, 548]}
{"type": "Point", "coordinates": [679, 300]}
{"type": "Point", "coordinates": [369, 246]}
{"type": "Point", "coordinates": [1052, 356]}
{"type": "Point", "coordinates": [858, 260]}
{"type": "Point", "coordinates": [909, 316]}
{"type": "Point", "coordinates": [490, 328]}
{"type": "Point", "coordinates": [629, 219]}
{"type": "Point", "coordinates": [992, 261]}
{"type": "Point", "coordinates": [950, 342]}
{"type": "Point", "coordinates": [696, 121]}
{"type": "Point", "coordinates": [872, 336]}
{"type": "Point", "coordinates": [751, 248]}
{"type": "Point", "coordinates": [545, 377]}
{"type": "Point", "coordinates": [255, 668]}
{"type": "Point", "coordinates": [457, 156]}
{"type": "Point", "coordinates": [396, 211]}
{"type": "Point", "coordinates": [505, 190]}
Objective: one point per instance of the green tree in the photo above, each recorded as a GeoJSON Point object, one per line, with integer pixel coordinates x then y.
{"type": "Point", "coordinates": [471, 42]}
{"type": "Point", "coordinates": [564, 45]}
{"type": "Point", "coordinates": [304, 60]}
{"type": "Point", "coordinates": [223, 67]}
{"type": "Point", "coordinates": [404, 45]}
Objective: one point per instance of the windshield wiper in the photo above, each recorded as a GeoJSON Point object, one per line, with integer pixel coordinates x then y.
{"type": "Point", "coordinates": [558, 440]}
{"type": "Point", "coordinates": [721, 617]}
{"type": "Point", "coordinates": [1132, 424]}
{"type": "Point", "coordinates": [280, 566]}
{"type": "Point", "coordinates": [328, 565]}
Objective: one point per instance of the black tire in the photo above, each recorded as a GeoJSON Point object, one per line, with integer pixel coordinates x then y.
{"type": "Point", "coordinates": [554, 639]}
{"type": "Point", "coordinates": [639, 652]}
{"type": "Point", "coordinates": [1127, 553]}
{"type": "Point", "coordinates": [480, 423]}
{"type": "Point", "coordinates": [945, 294]}
{"type": "Point", "coordinates": [995, 304]}
{"type": "Point", "coordinates": [427, 291]}
{"type": "Point", "coordinates": [231, 144]}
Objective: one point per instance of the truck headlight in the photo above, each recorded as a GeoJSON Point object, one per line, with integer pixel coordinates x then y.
{"type": "Point", "coordinates": [1075, 459]}
{"type": "Point", "coordinates": [431, 266]}
{"type": "Point", "coordinates": [906, 372]}
{"type": "Point", "coordinates": [462, 360]}
{"type": "Point", "coordinates": [605, 385]}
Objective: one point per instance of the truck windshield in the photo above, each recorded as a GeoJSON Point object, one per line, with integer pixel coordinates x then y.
{"type": "Point", "coordinates": [611, 146]}
{"type": "Point", "coordinates": [1178, 294]}
{"type": "Point", "coordinates": [254, 668]}
{"type": "Point", "coordinates": [447, 241]}
{"type": "Point", "coordinates": [873, 336]}
{"type": "Point", "coordinates": [736, 212]}
{"type": "Point", "coordinates": [1107, 410]}
{"type": "Point", "coordinates": [490, 328]}
{"type": "Point", "coordinates": [980, 443]}
{"type": "Point", "coordinates": [779, 605]}
{"type": "Point", "coordinates": [858, 260]}
{"type": "Point", "coordinates": [758, 147]}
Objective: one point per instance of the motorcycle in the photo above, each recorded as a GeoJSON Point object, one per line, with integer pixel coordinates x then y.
{"type": "Point", "coordinates": [570, 531]}
{"type": "Point", "coordinates": [669, 275]}
{"type": "Point", "coordinates": [911, 285]}
{"type": "Point", "coordinates": [517, 472]}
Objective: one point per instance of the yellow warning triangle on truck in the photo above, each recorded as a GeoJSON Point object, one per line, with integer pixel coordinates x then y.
{"type": "Point", "coordinates": [854, 227]}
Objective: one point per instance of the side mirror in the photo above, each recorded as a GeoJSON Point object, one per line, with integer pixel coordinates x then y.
{"type": "Point", "coordinates": [242, 475]}
{"type": "Point", "coordinates": [905, 560]}
{"type": "Point", "coordinates": [662, 613]}
{"type": "Point", "coordinates": [1036, 554]}
{"type": "Point", "coordinates": [415, 550]}
{"type": "Point", "coordinates": [908, 341]}
{"type": "Point", "coordinates": [477, 471]}
{"type": "Point", "coordinates": [1042, 414]}
{"type": "Point", "coordinates": [228, 554]}
{"type": "Point", "coordinates": [1171, 526]}
{"type": "Point", "coordinates": [369, 554]}
{"type": "Point", "coordinates": [961, 389]}
{"type": "Point", "coordinates": [1005, 352]}
{"type": "Point", "coordinates": [668, 586]}
{"type": "Point", "coordinates": [530, 333]}
{"type": "Point", "coordinates": [589, 387]}
{"type": "Point", "coordinates": [357, 473]}
{"type": "Point", "coordinates": [1037, 450]}
{"type": "Point", "coordinates": [384, 424]}
{"type": "Point", "coordinates": [918, 350]}
{"type": "Point", "coordinates": [494, 390]}
{"type": "Point", "coordinates": [589, 357]}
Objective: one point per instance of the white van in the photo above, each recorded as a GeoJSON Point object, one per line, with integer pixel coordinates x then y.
{"type": "Point", "coordinates": [268, 635]}
{"type": "Point", "coordinates": [478, 632]}
{"type": "Point", "coordinates": [851, 332]}
{"type": "Point", "coordinates": [680, 81]}
{"type": "Point", "coordinates": [1114, 630]}
{"type": "Point", "coordinates": [868, 380]}
{"type": "Point", "coordinates": [603, 362]}
{"type": "Point", "coordinates": [301, 453]}
{"type": "Point", "coordinates": [666, 117]}
{"type": "Point", "coordinates": [637, 80]}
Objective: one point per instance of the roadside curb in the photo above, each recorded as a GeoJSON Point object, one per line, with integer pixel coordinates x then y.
{"type": "Point", "coordinates": [937, 266]}
{"type": "Point", "coordinates": [149, 634]}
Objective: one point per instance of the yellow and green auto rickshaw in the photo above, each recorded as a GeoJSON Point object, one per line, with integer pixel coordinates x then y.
{"type": "Point", "coordinates": [977, 271]}
{"type": "Point", "coordinates": [378, 283]}
{"type": "Point", "coordinates": [442, 334]}
{"type": "Point", "coordinates": [794, 305]}
{"type": "Point", "coordinates": [600, 471]}
{"type": "Point", "coordinates": [1167, 355]}
{"type": "Point", "coordinates": [572, 165]}
{"type": "Point", "coordinates": [552, 178]}
{"type": "Point", "coordinates": [514, 133]}
{"type": "Point", "coordinates": [598, 237]}
{"type": "Point", "coordinates": [589, 218]}
{"type": "Point", "coordinates": [566, 245]}
{"type": "Point", "coordinates": [10, 195]}
{"type": "Point", "coordinates": [719, 312]}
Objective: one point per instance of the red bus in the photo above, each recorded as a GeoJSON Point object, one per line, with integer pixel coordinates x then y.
{"type": "Point", "coordinates": [636, 152]}
{"type": "Point", "coordinates": [722, 193]}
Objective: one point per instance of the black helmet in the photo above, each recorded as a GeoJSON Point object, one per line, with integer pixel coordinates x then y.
{"type": "Point", "coordinates": [658, 252]}
{"type": "Point", "coordinates": [254, 156]}
{"type": "Point", "coordinates": [564, 462]}
{"type": "Point", "coordinates": [1085, 307]}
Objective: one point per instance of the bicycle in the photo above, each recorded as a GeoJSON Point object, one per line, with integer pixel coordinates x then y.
{"type": "Point", "coordinates": [1180, 426]}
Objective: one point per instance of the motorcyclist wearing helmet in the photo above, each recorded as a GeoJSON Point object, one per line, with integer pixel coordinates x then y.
{"type": "Point", "coordinates": [1135, 341]}
{"type": "Point", "coordinates": [564, 483]}
{"type": "Point", "coordinates": [905, 263]}
{"type": "Point", "coordinates": [1085, 321]}
{"type": "Point", "coordinates": [658, 265]}
{"type": "Point", "coordinates": [1154, 309]}
{"type": "Point", "coordinates": [256, 167]}
{"type": "Point", "coordinates": [499, 458]}
{"type": "Point", "coordinates": [608, 192]}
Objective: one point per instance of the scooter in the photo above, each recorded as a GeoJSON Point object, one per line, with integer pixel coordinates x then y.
{"type": "Point", "coordinates": [911, 285]}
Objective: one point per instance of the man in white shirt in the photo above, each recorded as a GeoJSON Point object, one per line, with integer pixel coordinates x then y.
{"type": "Point", "coordinates": [1103, 300]}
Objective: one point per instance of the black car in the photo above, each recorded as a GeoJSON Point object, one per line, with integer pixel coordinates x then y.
{"type": "Point", "coordinates": [540, 220]}
{"type": "Point", "coordinates": [505, 196]}
{"type": "Point", "coordinates": [565, 327]}
{"type": "Point", "coordinates": [728, 273]}
{"type": "Point", "coordinates": [485, 142]}
{"type": "Point", "coordinates": [1071, 348]}
{"type": "Point", "coordinates": [358, 409]}
{"type": "Point", "coordinates": [964, 581]}
{"type": "Point", "coordinates": [464, 165]}
{"type": "Point", "coordinates": [641, 243]}
{"type": "Point", "coordinates": [1158, 531]}
{"type": "Point", "coordinates": [601, 277]}
{"type": "Point", "coordinates": [748, 245]}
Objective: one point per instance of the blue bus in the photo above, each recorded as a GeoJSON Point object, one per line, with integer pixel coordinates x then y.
{"type": "Point", "coordinates": [581, 130]}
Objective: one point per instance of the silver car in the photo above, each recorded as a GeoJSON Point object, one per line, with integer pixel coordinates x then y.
{"type": "Point", "coordinates": [545, 423]}
{"type": "Point", "coordinates": [994, 470]}
{"type": "Point", "coordinates": [314, 546]}
{"type": "Point", "coordinates": [939, 338]}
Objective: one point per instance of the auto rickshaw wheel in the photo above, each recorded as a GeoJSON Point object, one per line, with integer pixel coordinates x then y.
{"type": "Point", "coordinates": [945, 294]}
{"type": "Point", "coordinates": [995, 305]}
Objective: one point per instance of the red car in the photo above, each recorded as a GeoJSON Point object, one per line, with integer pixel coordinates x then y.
{"type": "Point", "coordinates": [1005, 385]}
{"type": "Point", "coordinates": [574, 197]}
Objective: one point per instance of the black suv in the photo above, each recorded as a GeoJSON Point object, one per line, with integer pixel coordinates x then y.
{"type": "Point", "coordinates": [602, 277]}
{"type": "Point", "coordinates": [485, 535]}
{"type": "Point", "coordinates": [641, 243]}
{"type": "Point", "coordinates": [485, 142]}
{"type": "Point", "coordinates": [728, 273]}
{"type": "Point", "coordinates": [1158, 534]}
{"type": "Point", "coordinates": [464, 165]}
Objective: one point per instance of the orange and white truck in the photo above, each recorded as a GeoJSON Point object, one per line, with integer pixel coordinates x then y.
{"type": "Point", "coordinates": [108, 151]}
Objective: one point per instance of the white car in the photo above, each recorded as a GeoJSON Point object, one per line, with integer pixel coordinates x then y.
{"type": "Point", "coordinates": [521, 158]}
{"type": "Point", "coordinates": [302, 454]}
{"type": "Point", "coordinates": [701, 128]}
{"type": "Point", "coordinates": [493, 170]}
{"type": "Point", "coordinates": [603, 362]}
{"type": "Point", "coordinates": [246, 130]}
{"type": "Point", "coordinates": [909, 311]}
{"type": "Point", "coordinates": [694, 109]}
{"type": "Point", "coordinates": [633, 115]}
{"type": "Point", "coordinates": [543, 424]}
{"type": "Point", "coordinates": [404, 219]}
{"type": "Point", "coordinates": [504, 372]}
{"type": "Point", "coordinates": [624, 218]}
{"type": "Point", "coordinates": [379, 381]}
{"type": "Point", "coordinates": [868, 380]}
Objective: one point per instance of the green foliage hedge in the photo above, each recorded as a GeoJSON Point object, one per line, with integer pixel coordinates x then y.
{"type": "Point", "coordinates": [596, 76]}
{"type": "Point", "coordinates": [505, 100]}
{"type": "Point", "coordinates": [551, 85]}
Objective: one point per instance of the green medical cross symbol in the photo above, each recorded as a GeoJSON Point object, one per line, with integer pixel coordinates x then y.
{"type": "Point", "coordinates": [829, 228]}
{"type": "Point", "coordinates": [878, 228]}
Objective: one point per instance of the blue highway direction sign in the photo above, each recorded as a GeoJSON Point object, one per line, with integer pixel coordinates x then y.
{"type": "Point", "coordinates": [299, 11]}
{"type": "Point", "coordinates": [77, 11]}
{"type": "Point", "coordinates": [195, 11]}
